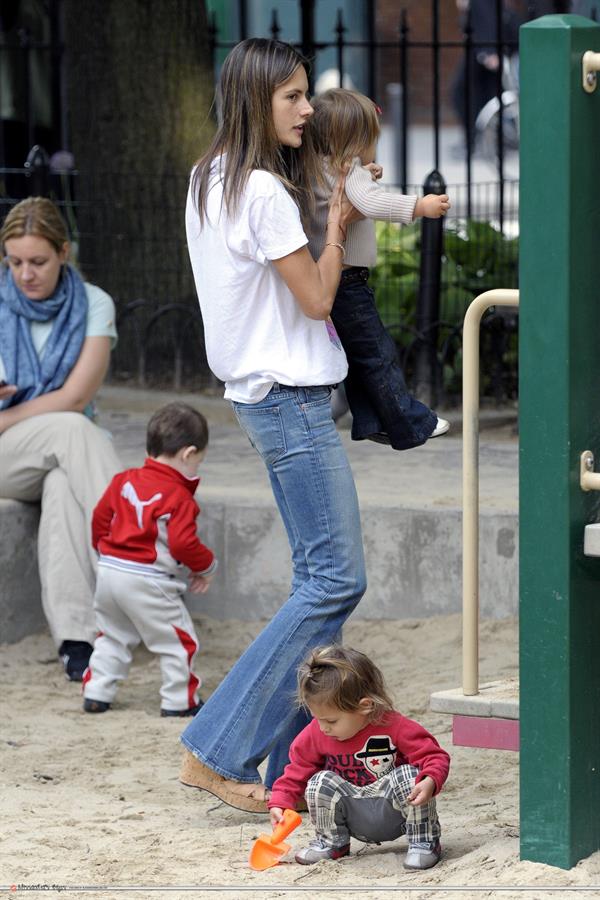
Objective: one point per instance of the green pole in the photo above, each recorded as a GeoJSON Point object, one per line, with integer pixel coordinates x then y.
{"type": "Point", "coordinates": [560, 417]}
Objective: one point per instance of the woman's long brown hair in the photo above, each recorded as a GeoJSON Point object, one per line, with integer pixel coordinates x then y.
{"type": "Point", "coordinates": [249, 77]}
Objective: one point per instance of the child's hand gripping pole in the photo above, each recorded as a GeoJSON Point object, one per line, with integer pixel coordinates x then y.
{"type": "Point", "coordinates": [268, 849]}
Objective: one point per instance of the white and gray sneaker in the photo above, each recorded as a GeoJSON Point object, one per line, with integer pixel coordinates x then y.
{"type": "Point", "coordinates": [318, 850]}
{"type": "Point", "coordinates": [441, 427]}
{"type": "Point", "coordinates": [422, 855]}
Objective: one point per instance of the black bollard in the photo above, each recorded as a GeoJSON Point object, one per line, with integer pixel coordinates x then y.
{"type": "Point", "coordinates": [426, 367]}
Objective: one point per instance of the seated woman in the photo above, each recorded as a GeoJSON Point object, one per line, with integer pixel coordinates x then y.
{"type": "Point", "coordinates": [56, 334]}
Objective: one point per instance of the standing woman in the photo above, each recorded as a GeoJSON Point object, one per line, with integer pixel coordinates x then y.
{"type": "Point", "coordinates": [265, 305]}
{"type": "Point", "coordinates": [56, 334]}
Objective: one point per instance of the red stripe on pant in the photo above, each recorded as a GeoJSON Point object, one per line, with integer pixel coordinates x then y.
{"type": "Point", "coordinates": [88, 672]}
{"type": "Point", "coordinates": [190, 646]}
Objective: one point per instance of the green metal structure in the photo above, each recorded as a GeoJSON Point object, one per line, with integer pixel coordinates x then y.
{"type": "Point", "coordinates": [560, 417]}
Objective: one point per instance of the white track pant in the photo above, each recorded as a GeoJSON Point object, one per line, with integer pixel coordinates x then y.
{"type": "Point", "coordinates": [131, 608]}
{"type": "Point", "coordinates": [67, 462]}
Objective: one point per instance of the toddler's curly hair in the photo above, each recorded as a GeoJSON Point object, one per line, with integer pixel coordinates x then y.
{"type": "Point", "coordinates": [341, 677]}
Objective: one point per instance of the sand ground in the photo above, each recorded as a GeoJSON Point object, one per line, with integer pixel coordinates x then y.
{"type": "Point", "coordinates": [95, 802]}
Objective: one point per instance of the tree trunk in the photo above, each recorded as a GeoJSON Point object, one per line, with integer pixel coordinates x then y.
{"type": "Point", "coordinates": [139, 85]}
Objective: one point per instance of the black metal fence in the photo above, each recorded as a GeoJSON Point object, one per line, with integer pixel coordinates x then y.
{"type": "Point", "coordinates": [161, 329]}
{"type": "Point", "coordinates": [161, 339]}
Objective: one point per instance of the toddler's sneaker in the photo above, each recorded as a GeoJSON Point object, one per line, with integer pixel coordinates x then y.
{"type": "Point", "coordinates": [379, 437]}
{"type": "Point", "coordinates": [422, 855]}
{"type": "Point", "coordinates": [318, 850]}
{"type": "Point", "coordinates": [95, 706]}
{"type": "Point", "coordinates": [181, 713]}
{"type": "Point", "coordinates": [441, 427]}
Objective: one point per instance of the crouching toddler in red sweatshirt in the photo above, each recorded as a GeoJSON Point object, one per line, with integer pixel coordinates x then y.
{"type": "Point", "coordinates": [366, 770]}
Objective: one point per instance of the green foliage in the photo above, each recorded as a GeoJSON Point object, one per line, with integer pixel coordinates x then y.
{"type": "Point", "coordinates": [395, 277]}
{"type": "Point", "coordinates": [477, 257]}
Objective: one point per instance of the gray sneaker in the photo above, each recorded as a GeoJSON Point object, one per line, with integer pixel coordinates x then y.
{"type": "Point", "coordinates": [318, 850]}
{"type": "Point", "coordinates": [422, 855]}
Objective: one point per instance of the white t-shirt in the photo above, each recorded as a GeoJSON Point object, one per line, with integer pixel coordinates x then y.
{"type": "Point", "coordinates": [255, 331]}
{"type": "Point", "coordinates": [100, 322]}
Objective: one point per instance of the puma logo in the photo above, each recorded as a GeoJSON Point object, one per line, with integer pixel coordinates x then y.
{"type": "Point", "coordinates": [129, 493]}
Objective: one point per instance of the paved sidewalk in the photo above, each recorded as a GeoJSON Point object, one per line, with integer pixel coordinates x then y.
{"type": "Point", "coordinates": [427, 477]}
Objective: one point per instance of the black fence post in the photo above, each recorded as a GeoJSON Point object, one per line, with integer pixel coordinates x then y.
{"type": "Point", "coordinates": [435, 61]}
{"type": "Point", "coordinates": [243, 19]}
{"type": "Point", "coordinates": [274, 27]}
{"type": "Point", "coordinates": [339, 30]}
{"type": "Point", "coordinates": [426, 369]}
{"type": "Point", "coordinates": [25, 46]}
{"type": "Point", "coordinates": [402, 176]}
{"type": "Point", "coordinates": [371, 41]}
{"type": "Point", "coordinates": [469, 136]}
{"type": "Point", "coordinates": [213, 33]}
{"type": "Point", "coordinates": [307, 25]}
{"type": "Point", "coordinates": [37, 168]}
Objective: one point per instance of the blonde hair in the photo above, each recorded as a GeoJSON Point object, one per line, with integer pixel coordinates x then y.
{"type": "Point", "coordinates": [341, 677]}
{"type": "Point", "coordinates": [37, 216]}
{"type": "Point", "coordinates": [345, 124]}
{"type": "Point", "coordinates": [251, 73]}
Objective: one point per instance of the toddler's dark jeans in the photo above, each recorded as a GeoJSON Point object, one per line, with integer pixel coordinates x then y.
{"type": "Point", "coordinates": [375, 387]}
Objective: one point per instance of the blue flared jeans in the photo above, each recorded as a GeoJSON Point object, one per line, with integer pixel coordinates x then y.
{"type": "Point", "coordinates": [253, 713]}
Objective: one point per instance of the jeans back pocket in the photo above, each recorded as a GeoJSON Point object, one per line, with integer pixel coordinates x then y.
{"type": "Point", "coordinates": [264, 429]}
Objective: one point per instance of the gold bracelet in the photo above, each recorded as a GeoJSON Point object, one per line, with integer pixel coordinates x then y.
{"type": "Point", "coordinates": [335, 244]}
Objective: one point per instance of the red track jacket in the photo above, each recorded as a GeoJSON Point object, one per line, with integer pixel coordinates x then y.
{"type": "Point", "coordinates": [148, 516]}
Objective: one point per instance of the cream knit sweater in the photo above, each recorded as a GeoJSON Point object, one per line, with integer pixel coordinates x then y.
{"type": "Point", "coordinates": [369, 198]}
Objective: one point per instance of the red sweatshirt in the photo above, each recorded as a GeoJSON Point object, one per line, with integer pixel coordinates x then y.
{"type": "Point", "coordinates": [370, 754]}
{"type": "Point", "coordinates": [148, 516]}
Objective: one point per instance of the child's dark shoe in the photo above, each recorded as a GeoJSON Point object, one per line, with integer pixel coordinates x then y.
{"type": "Point", "coordinates": [75, 657]}
{"type": "Point", "coordinates": [182, 713]}
{"type": "Point", "coordinates": [422, 855]}
{"type": "Point", "coordinates": [318, 850]}
{"type": "Point", "coordinates": [95, 706]}
{"type": "Point", "coordinates": [380, 437]}
{"type": "Point", "coordinates": [441, 427]}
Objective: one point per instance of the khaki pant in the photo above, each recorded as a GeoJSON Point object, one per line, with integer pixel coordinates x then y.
{"type": "Point", "coordinates": [65, 461]}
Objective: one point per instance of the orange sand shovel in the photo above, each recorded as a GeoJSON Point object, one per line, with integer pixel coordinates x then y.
{"type": "Point", "coordinates": [268, 849]}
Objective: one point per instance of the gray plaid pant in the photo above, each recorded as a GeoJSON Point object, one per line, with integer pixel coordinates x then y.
{"type": "Point", "coordinates": [373, 813]}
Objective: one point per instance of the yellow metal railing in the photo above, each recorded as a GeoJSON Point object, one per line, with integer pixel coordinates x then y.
{"type": "Point", "coordinates": [471, 330]}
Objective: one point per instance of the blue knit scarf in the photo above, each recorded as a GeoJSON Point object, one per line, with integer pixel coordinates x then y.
{"type": "Point", "coordinates": [67, 307]}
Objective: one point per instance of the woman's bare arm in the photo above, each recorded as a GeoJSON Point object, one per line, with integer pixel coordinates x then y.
{"type": "Point", "coordinates": [314, 284]}
{"type": "Point", "coordinates": [78, 390]}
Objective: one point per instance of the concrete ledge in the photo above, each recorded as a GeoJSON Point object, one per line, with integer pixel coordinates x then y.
{"type": "Point", "coordinates": [414, 562]}
{"type": "Point", "coordinates": [496, 699]}
{"type": "Point", "coordinates": [20, 607]}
